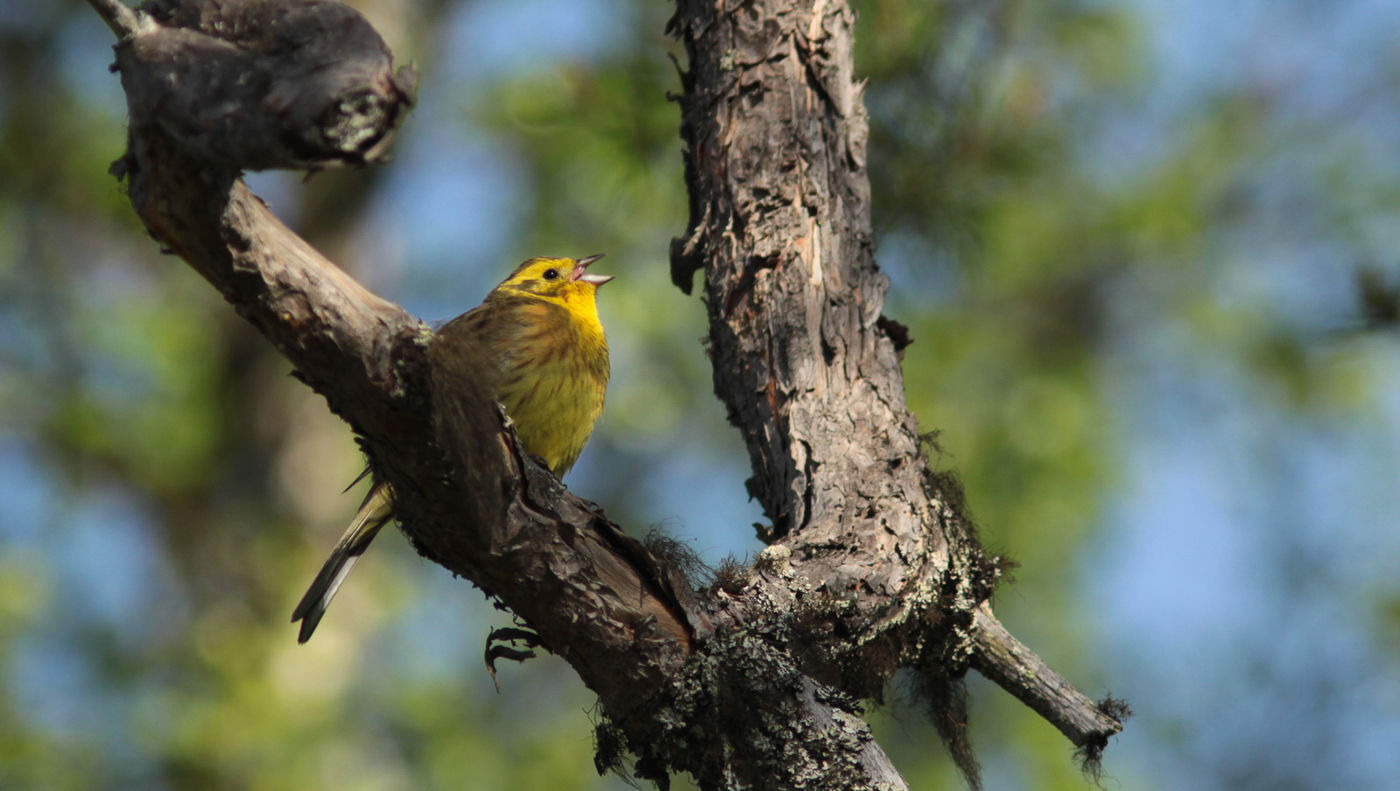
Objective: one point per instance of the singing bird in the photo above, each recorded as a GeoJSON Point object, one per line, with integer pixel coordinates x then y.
{"type": "Point", "coordinates": [548, 357]}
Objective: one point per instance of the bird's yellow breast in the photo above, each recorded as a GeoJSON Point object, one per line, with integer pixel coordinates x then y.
{"type": "Point", "coordinates": [550, 368]}
{"type": "Point", "coordinates": [553, 380]}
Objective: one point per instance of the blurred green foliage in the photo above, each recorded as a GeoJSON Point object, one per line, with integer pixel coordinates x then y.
{"type": "Point", "coordinates": [172, 489]}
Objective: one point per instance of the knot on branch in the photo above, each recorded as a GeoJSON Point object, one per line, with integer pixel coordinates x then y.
{"type": "Point", "coordinates": [747, 686]}
{"type": "Point", "coordinates": [259, 84]}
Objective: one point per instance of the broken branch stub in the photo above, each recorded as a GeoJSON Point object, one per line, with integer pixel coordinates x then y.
{"type": "Point", "coordinates": [261, 84]}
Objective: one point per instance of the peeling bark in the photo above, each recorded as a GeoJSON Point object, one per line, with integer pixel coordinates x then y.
{"type": "Point", "coordinates": [803, 359]}
{"type": "Point", "coordinates": [751, 683]}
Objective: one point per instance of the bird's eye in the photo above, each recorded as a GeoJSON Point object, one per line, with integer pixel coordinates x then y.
{"type": "Point", "coordinates": [551, 274]}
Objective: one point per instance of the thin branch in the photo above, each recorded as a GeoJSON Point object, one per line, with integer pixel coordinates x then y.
{"type": "Point", "coordinates": [124, 21]}
{"type": "Point", "coordinates": [1015, 668]}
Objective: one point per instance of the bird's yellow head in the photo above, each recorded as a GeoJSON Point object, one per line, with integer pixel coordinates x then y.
{"type": "Point", "coordinates": [565, 281]}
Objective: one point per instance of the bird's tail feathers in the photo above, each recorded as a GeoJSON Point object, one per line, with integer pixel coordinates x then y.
{"type": "Point", "coordinates": [374, 513]}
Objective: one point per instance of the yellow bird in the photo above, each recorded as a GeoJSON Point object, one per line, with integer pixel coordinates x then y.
{"type": "Point", "coordinates": [541, 332]}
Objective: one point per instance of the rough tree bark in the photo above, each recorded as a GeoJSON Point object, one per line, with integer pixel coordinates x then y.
{"type": "Point", "coordinates": [754, 681]}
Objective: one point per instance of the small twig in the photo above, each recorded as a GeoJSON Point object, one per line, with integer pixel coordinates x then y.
{"type": "Point", "coordinates": [1015, 668]}
{"type": "Point", "coordinates": [124, 21]}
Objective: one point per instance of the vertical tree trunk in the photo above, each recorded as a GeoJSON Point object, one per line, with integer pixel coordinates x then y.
{"type": "Point", "coordinates": [807, 365]}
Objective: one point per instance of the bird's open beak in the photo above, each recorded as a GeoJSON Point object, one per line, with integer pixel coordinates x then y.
{"type": "Point", "coordinates": [580, 275]}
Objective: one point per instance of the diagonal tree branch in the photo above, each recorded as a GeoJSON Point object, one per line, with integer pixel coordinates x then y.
{"type": "Point", "coordinates": [426, 424]}
{"type": "Point", "coordinates": [1002, 658]}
